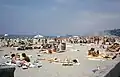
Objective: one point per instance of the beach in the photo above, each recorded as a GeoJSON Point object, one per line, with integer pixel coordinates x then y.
{"type": "Point", "coordinates": [59, 38]}
{"type": "Point", "coordinates": [57, 70]}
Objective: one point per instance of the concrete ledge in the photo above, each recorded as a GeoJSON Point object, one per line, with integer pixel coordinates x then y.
{"type": "Point", "coordinates": [115, 72]}
{"type": "Point", "coordinates": [7, 71]}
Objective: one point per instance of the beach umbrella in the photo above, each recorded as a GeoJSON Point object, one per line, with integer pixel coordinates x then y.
{"type": "Point", "coordinates": [58, 36]}
{"type": "Point", "coordinates": [75, 36]}
{"type": "Point", "coordinates": [6, 35]}
{"type": "Point", "coordinates": [38, 36]}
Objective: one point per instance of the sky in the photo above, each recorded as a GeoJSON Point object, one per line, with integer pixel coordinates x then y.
{"type": "Point", "coordinates": [58, 17]}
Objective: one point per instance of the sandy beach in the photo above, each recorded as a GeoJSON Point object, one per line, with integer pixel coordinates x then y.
{"type": "Point", "coordinates": [59, 38]}
{"type": "Point", "coordinates": [56, 69]}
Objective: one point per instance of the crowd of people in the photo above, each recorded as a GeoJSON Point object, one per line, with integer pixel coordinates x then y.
{"type": "Point", "coordinates": [53, 46]}
{"type": "Point", "coordinates": [21, 60]}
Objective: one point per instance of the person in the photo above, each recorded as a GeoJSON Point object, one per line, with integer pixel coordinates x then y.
{"type": "Point", "coordinates": [25, 61]}
{"type": "Point", "coordinates": [13, 58]}
{"type": "Point", "coordinates": [98, 52]}
{"type": "Point", "coordinates": [17, 56]}
{"type": "Point", "coordinates": [25, 57]}
{"type": "Point", "coordinates": [90, 52]}
{"type": "Point", "coordinates": [75, 60]}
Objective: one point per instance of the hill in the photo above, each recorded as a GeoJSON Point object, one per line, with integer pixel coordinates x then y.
{"type": "Point", "coordinates": [114, 32]}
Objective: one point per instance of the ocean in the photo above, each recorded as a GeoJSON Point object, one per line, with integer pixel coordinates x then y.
{"type": "Point", "coordinates": [25, 36]}
{"type": "Point", "coordinates": [18, 36]}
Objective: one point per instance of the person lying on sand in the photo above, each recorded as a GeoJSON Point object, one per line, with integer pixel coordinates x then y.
{"type": "Point", "coordinates": [114, 48]}
{"type": "Point", "coordinates": [54, 60]}
{"type": "Point", "coordinates": [75, 60]}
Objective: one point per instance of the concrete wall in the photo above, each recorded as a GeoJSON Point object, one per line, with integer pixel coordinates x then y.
{"type": "Point", "coordinates": [115, 72]}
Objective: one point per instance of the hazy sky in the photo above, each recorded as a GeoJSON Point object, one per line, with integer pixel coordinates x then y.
{"type": "Point", "coordinates": [58, 17]}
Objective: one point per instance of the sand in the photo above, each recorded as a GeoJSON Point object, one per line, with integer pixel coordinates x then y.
{"type": "Point", "coordinates": [57, 70]}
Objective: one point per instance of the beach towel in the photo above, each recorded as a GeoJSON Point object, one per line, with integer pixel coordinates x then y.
{"type": "Point", "coordinates": [32, 66]}
{"type": "Point", "coordinates": [9, 63]}
{"type": "Point", "coordinates": [96, 59]}
{"type": "Point", "coordinates": [99, 58]}
{"type": "Point", "coordinates": [24, 67]}
{"type": "Point", "coordinates": [30, 56]}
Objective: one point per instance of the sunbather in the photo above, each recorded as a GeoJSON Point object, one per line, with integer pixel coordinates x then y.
{"type": "Point", "coordinates": [13, 58]}
{"type": "Point", "coordinates": [25, 57]}
{"type": "Point", "coordinates": [17, 56]}
{"type": "Point", "coordinates": [25, 60]}
{"type": "Point", "coordinates": [75, 61]}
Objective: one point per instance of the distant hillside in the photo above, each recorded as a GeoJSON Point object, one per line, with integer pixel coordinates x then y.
{"type": "Point", "coordinates": [114, 32]}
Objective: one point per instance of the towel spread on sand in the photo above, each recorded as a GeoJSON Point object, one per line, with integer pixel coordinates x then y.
{"type": "Point", "coordinates": [96, 59]}
{"type": "Point", "coordinates": [99, 58]}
